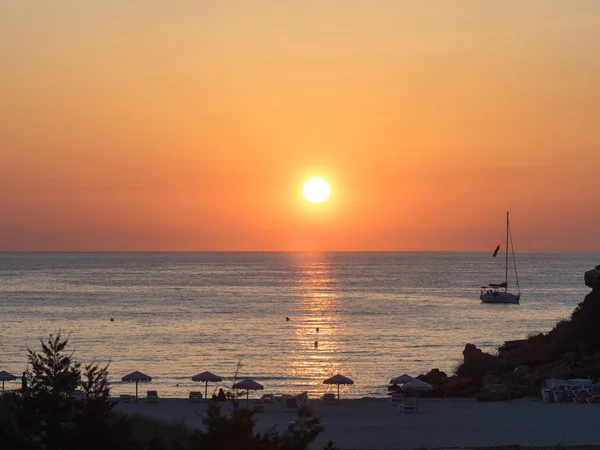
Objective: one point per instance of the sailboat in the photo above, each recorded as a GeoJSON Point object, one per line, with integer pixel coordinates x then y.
{"type": "Point", "coordinates": [498, 293]}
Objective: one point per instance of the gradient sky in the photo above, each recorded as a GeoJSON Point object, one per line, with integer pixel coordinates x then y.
{"type": "Point", "coordinates": [191, 125]}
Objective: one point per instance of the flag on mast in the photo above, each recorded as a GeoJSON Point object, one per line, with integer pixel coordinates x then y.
{"type": "Point", "coordinates": [496, 251]}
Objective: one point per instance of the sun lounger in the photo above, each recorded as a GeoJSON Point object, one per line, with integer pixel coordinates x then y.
{"type": "Point", "coordinates": [195, 396]}
{"type": "Point", "coordinates": [397, 398]}
{"type": "Point", "coordinates": [553, 382]}
{"type": "Point", "coordinates": [280, 403]}
{"type": "Point", "coordinates": [558, 390]}
{"type": "Point", "coordinates": [560, 393]}
{"type": "Point", "coordinates": [580, 382]}
{"type": "Point", "coordinates": [267, 398]}
{"type": "Point", "coordinates": [582, 395]}
{"type": "Point", "coordinates": [151, 397]}
{"type": "Point", "coordinates": [302, 400]}
{"type": "Point", "coordinates": [125, 398]}
{"type": "Point", "coordinates": [258, 405]}
{"type": "Point", "coordinates": [547, 395]}
{"type": "Point", "coordinates": [290, 401]}
{"type": "Point", "coordinates": [328, 398]}
{"type": "Point", "coordinates": [409, 405]}
{"type": "Point", "coordinates": [589, 394]}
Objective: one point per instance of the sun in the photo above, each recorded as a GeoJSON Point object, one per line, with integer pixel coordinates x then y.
{"type": "Point", "coordinates": [316, 190]}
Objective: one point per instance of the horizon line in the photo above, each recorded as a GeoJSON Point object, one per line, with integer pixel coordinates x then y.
{"type": "Point", "coordinates": [286, 251]}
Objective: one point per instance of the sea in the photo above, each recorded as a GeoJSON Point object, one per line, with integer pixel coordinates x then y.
{"type": "Point", "coordinates": [285, 320]}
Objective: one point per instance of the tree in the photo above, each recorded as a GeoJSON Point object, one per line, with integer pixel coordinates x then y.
{"type": "Point", "coordinates": [52, 372]}
{"type": "Point", "coordinates": [54, 376]}
{"type": "Point", "coordinates": [95, 382]}
{"type": "Point", "coordinates": [47, 416]}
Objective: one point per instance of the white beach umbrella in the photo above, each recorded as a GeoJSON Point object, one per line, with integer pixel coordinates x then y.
{"type": "Point", "coordinates": [206, 377]}
{"type": "Point", "coordinates": [417, 385]}
{"type": "Point", "coordinates": [404, 378]}
{"type": "Point", "coordinates": [249, 385]}
{"type": "Point", "coordinates": [338, 379]}
{"type": "Point", "coordinates": [137, 377]}
{"type": "Point", "coordinates": [5, 376]}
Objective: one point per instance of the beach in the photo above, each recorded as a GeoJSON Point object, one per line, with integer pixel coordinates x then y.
{"type": "Point", "coordinates": [440, 423]}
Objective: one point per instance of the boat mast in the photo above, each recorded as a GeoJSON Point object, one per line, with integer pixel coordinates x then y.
{"type": "Point", "coordinates": [512, 249]}
{"type": "Point", "coordinates": [506, 253]}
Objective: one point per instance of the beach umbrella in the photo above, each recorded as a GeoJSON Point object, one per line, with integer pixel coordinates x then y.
{"type": "Point", "coordinates": [249, 385]}
{"type": "Point", "coordinates": [206, 377]}
{"type": "Point", "coordinates": [137, 377]}
{"type": "Point", "coordinates": [5, 376]}
{"type": "Point", "coordinates": [338, 379]}
{"type": "Point", "coordinates": [417, 385]}
{"type": "Point", "coordinates": [404, 378]}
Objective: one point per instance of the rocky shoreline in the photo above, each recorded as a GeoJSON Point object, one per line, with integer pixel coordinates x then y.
{"type": "Point", "coordinates": [520, 367]}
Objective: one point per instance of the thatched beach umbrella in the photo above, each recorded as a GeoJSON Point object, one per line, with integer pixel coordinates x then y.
{"type": "Point", "coordinates": [404, 378]}
{"type": "Point", "coordinates": [5, 376]}
{"type": "Point", "coordinates": [137, 377]}
{"type": "Point", "coordinates": [249, 385]}
{"type": "Point", "coordinates": [338, 379]}
{"type": "Point", "coordinates": [206, 377]}
{"type": "Point", "coordinates": [417, 386]}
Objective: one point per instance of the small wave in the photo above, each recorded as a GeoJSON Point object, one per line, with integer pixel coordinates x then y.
{"type": "Point", "coordinates": [428, 346]}
{"type": "Point", "coordinates": [271, 378]}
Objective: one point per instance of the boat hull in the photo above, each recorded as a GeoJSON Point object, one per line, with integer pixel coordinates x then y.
{"type": "Point", "coordinates": [499, 297]}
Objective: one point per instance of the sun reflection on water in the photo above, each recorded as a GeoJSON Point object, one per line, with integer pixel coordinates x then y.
{"type": "Point", "coordinates": [318, 326]}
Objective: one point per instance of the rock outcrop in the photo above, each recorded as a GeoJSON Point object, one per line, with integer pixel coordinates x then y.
{"type": "Point", "coordinates": [592, 278]}
{"type": "Point", "coordinates": [497, 393]}
{"type": "Point", "coordinates": [570, 350]}
{"type": "Point", "coordinates": [493, 392]}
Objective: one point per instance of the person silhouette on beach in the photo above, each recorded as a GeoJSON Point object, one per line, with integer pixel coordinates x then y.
{"type": "Point", "coordinates": [289, 433]}
{"type": "Point", "coordinates": [24, 382]}
{"type": "Point", "coordinates": [221, 395]}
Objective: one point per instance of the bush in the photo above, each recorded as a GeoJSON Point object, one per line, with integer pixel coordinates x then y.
{"type": "Point", "coordinates": [150, 433]}
{"type": "Point", "coordinates": [236, 432]}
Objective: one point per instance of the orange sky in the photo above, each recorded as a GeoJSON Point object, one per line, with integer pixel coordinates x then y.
{"type": "Point", "coordinates": [191, 125]}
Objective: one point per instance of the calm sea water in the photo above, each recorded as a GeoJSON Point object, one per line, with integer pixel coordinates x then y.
{"type": "Point", "coordinates": [177, 314]}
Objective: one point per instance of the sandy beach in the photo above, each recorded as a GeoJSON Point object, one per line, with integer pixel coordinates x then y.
{"type": "Point", "coordinates": [440, 423]}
